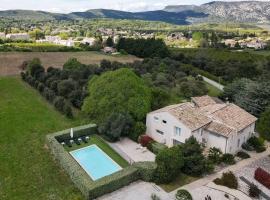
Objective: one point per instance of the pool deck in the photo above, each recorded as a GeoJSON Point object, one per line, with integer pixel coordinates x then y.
{"type": "Point", "coordinates": [132, 151]}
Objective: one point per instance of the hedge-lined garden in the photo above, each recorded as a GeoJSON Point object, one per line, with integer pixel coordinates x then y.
{"type": "Point", "coordinates": [93, 189]}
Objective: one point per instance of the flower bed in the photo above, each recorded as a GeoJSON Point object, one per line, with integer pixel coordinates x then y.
{"type": "Point", "coordinates": [262, 177]}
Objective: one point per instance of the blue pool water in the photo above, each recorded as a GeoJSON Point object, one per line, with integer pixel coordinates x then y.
{"type": "Point", "coordinates": [95, 162]}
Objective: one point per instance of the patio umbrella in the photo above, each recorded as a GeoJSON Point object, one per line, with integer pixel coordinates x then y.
{"type": "Point", "coordinates": [71, 133]}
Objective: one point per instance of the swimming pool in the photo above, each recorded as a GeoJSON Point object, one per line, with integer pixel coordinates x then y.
{"type": "Point", "coordinates": [95, 162]}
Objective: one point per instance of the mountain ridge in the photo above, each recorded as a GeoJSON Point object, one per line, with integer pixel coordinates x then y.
{"type": "Point", "coordinates": [215, 11]}
{"type": "Point", "coordinates": [238, 11]}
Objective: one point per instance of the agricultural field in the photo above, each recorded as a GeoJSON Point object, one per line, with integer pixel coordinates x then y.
{"type": "Point", "coordinates": [10, 61]}
{"type": "Point", "coordinates": [27, 169]}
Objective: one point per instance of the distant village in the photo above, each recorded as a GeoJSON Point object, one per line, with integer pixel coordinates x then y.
{"type": "Point", "coordinates": [177, 39]}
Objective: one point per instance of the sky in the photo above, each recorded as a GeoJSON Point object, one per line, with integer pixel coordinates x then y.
{"type": "Point", "coordinates": [66, 6]}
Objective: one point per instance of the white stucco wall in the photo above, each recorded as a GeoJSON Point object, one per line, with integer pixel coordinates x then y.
{"type": "Point", "coordinates": [167, 128]}
{"type": "Point", "coordinates": [215, 140]}
{"type": "Point", "coordinates": [242, 136]}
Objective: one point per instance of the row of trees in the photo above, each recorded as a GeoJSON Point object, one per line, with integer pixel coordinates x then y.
{"type": "Point", "coordinates": [143, 48]}
{"type": "Point", "coordinates": [35, 76]}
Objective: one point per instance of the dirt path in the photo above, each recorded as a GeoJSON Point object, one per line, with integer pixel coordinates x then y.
{"type": "Point", "coordinates": [10, 61]}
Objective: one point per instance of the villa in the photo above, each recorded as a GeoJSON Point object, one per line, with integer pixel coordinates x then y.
{"type": "Point", "coordinates": [211, 121]}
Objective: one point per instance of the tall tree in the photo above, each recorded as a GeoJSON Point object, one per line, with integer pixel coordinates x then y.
{"type": "Point", "coordinates": [120, 91]}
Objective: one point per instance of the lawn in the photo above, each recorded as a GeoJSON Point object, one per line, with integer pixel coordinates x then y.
{"type": "Point", "coordinates": [95, 139]}
{"type": "Point", "coordinates": [180, 181]}
{"type": "Point", "coordinates": [27, 170]}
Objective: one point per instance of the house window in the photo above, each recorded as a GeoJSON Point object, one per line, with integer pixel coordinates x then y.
{"type": "Point", "coordinates": [156, 118]}
{"type": "Point", "coordinates": [164, 121]}
{"type": "Point", "coordinates": [238, 143]}
{"type": "Point", "coordinates": [177, 131]}
{"type": "Point", "coordinates": [160, 132]}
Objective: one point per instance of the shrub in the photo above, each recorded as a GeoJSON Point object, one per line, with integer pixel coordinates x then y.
{"type": "Point", "coordinates": [146, 170]}
{"type": "Point", "coordinates": [72, 64]}
{"type": "Point", "coordinates": [260, 149]}
{"type": "Point", "coordinates": [157, 147]}
{"type": "Point", "coordinates": [49, 94]}
{"type": "Point", "coordinates": [116, 125]}
{"type": "Point", "coordinates": [35, 68]}
{"type": "Point", "coordinates": [254, 191]}
{"type": "Point", "coordinates": [123, 52]}
{"type": "Point", "coordinates": [228, 179]}
{"type": "Point", "coordinates": [40, 87]}
{"type": "Point", "coordinates": [228, 159]}
{"type": "Point", "coordinates": [144, 140]}
{"type": "Point", "coordinates": [183, 195]}
{"type": "Point", "coordinates": [194, 161]}
{"type": "Point", "coordinates": [257, 144]}
{"type": "Point", "coordinates": [155, 197]}
{"type": "Point", "coordinates": [242, 155]}
{"type": "Point", "coordinates": [169, 163]}
{"type": "Point", "coordinates": [59, 103]}
{"type": "Point", "coordinates": [67, 110]}
{"type": "Point", "coordinates": [215, 155]}
{"type": "Point", "coordinates": [23, 76]}
{"type": "Point", "coordinates": [137, 130]}
{"type": "Point", "coordinates": [76, 98]}
{"type": "Point", "coordinates": [262, 177]}
{"type": "Point", "coordinates": [247, 147]}
{"type": "Point", "coordinates": [65, 87]}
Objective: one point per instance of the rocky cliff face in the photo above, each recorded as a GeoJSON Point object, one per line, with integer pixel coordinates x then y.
{"type": "Point", "coordinates": [241, 11]}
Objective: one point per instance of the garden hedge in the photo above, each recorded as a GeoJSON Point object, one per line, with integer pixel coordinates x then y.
{"type": "Point", "coordinates": [89, 188]}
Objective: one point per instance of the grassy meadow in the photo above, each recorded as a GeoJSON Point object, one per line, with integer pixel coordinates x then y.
{"type": "Point", "coordinates": [27, 170]}
{"type": "Point", "coordinates": [10, 61]}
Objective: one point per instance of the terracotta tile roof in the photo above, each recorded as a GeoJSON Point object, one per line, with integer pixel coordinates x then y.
{"type": "Point", "coordinates": [189, 115]}
{"type": "Point", "coordinates": [203, 101]}
{"type": "Point", "coordinates": [219, 128]}
{"type": "Point", "coordinates": [216, 116]}
{"type": "Point", "coordinates": [235, 117]}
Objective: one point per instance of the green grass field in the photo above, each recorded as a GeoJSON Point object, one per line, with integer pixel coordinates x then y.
{"type": "Point", "coordinates": [27, 170]}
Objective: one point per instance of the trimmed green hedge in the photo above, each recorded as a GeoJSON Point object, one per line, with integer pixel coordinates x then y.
{"type": "Point", "coordinates": [113, 182]}
{"type": "Point", "coordinates": [81, 131]}
{"type": "Point", "coordinates": [79, 177]}
{"type": "Point", "coordinates": [89, 188]}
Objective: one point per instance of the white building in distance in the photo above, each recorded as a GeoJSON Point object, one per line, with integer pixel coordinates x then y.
{"type": "Point", "coordinates": [89, 41]}
{"type": "Point", "coordinates": [2, 35]}
{"type": "Point", "coordinates": [212, 122]}
{"type": "Point", "coordinates": [18, 36]}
